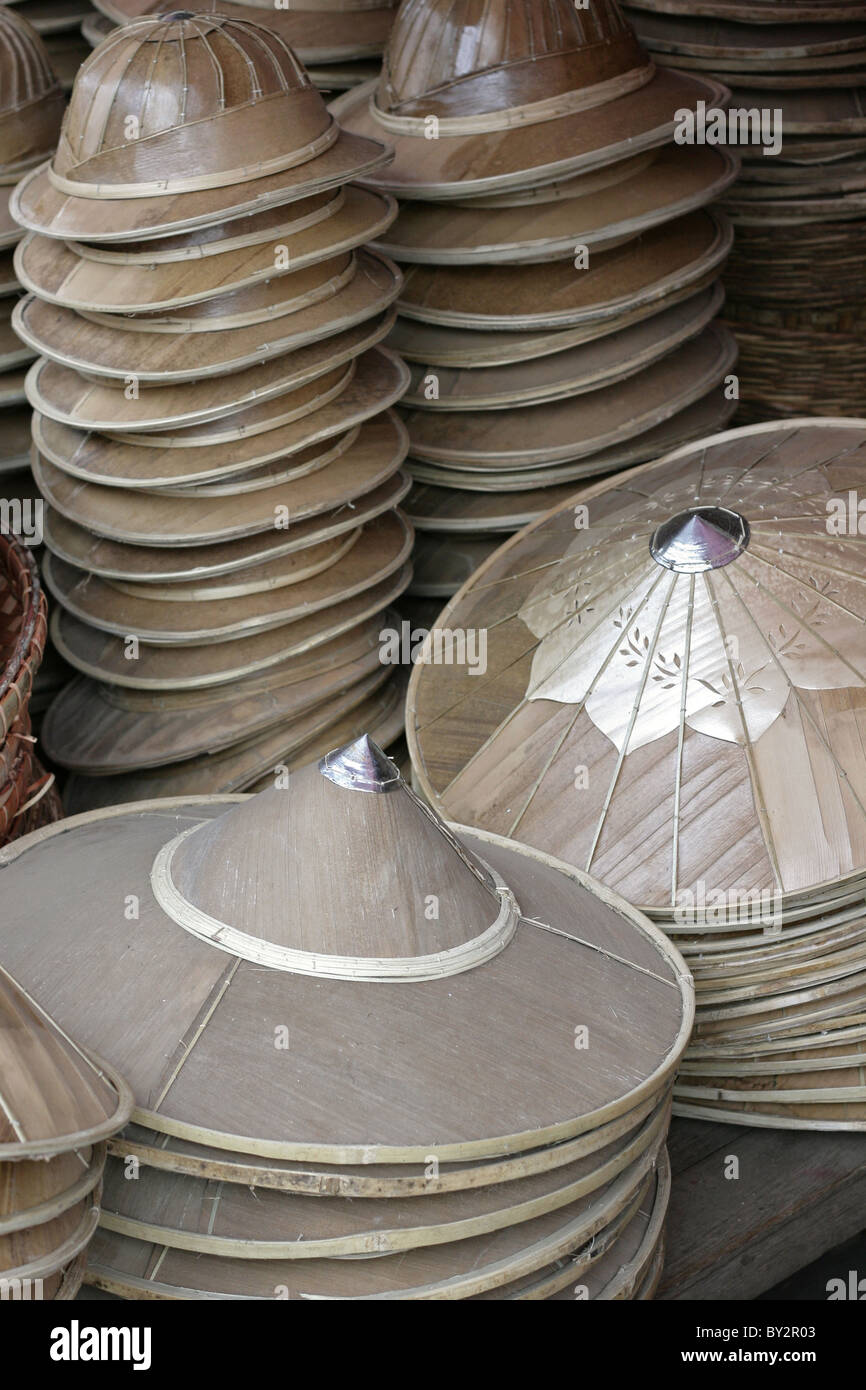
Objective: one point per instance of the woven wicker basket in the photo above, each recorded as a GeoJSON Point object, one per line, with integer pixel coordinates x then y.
{"type": "Point", "coordinates": [22, 629]}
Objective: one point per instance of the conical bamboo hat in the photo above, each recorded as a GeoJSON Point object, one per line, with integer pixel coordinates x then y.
{"type": "Point", "coordinates": [31, 102]}
{"type": "Point", "coordinates": [54, 1096]}
{"type": "Point", "coordinates": [675, 689]}
{"type": "Point", "coordinates": [128, 164]}
{"type": "Point", "coordinates": [349, 901]}
{"type": "Point", "coordinates": [516, 99]}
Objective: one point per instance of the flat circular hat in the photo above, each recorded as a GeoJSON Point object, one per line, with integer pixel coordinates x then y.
{"type": "Point", "coordinates": [541, 93]}
{"type": "Point", "coordinates": [691, 679]}
{"type": "Point", "coordinates": [605, 208]}
{"type": "Point", "coordinates": [128, 165]}
{"type": "Point", "coordinates": [173, 348]}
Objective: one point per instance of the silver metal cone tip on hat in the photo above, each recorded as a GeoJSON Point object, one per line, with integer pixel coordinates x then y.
{"type": "Point", "coordinates": [702, 538]}
{"type": "Point", "coordinates": [361, 766]}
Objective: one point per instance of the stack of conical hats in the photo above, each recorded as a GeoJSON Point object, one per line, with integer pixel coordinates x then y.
{"type": "Point", "coordinates": [561, 267]}
{"type": "Point", "coordinates": [796, 281]}
{"type": "Point", "coordinates": [211, 421]}
{"type": "Point", "coordinates": [31, 109]}
{"type": "Point", "coordinates": [675, 701]}
{"type": "Point", "coordinates": [373, 1056]}
{"type": "Point", "coordinates": [27, 795]}
{"type": "Point", "coordinates": [57, 1108]}
{"type": "Point", "coordinates": [339, 41]}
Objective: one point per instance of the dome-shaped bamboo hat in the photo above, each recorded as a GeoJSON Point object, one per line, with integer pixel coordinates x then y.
{"type": "Point", "coordinates": [31, 109]}
{"type": "Point", "coordinates": [427, 949]}
{"type": "Point", "coordinates": [480, 101]}
{"type": "Point", "coordinates": [58, 1105]}
{"type": "Point", "coordinates": [320, 31]}
{"type": "Point", "coordinates": [137, 158]}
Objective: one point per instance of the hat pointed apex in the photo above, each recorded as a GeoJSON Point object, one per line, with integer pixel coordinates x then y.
{"type": "Point", "coordinates": [361, 766]}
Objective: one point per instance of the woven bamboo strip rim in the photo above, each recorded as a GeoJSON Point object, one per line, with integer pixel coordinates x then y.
{"type": "Point", "coordinates": [394, 969]}
{"type": "Point", "coordinates": [381, 1242]}
{"type": "Point", "coordinates": [533, 113]}
{"type": "Point", "coordinates": [582, 1261]}
{"type": "Point", "coordinates": [336, 1183]}
{"type": "Point", "coordinates": [118, 254]}
{"type": "Point", "coordinates": [56, 1259]}
{"type": "Point", "coordinates": [57, 1205]}
{"type": "Point", "coordinates": [47, 1148]}
{"type": "Point", "coordinates": [224, 179]}
{"type": "Point", "coordinates": [561, 1244]}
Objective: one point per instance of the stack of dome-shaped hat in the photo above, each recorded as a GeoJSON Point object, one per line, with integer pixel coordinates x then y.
{"type": "Point", "coordinates": [561, 268]}
{"type": "Point", "coordinates": [373, 1056]}
{"type": "Point", "coordinates": [58, 1106]}
{"type": "Point", "coordinates": [339, 41]}
{"type": "Point", "coordinates": [27, 795]}
{"type": "Point", "coordinates": [796, 281]}
{"type": "Point", "coordinates": [675, 701]}
{"type": "Point", "coordinates": [211, 411]}
{"type": "Point", "coordinates": [59, 24]}
{"type": "Point", "coordinates": [31, 109]}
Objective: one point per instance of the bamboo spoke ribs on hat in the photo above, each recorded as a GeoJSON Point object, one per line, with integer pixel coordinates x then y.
{"type": "Point", "coordinates": [212, 422]}
{"type": "Point", "coordinates": [59, 1106]}
{"type": "Point", "coordinates": [545, 210]}
{"type": "Point", "coordinates": [465, 1178]}
{"type": "Point", "coordinates": [674, 701]}
{"type": "Point", "coordinates": [796, 293]}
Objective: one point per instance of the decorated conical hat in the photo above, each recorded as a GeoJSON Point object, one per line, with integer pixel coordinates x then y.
{"type": "Point", "coordinates": [69, 276]}
{"type": "Point", "coordinates": [357, 932]}
{"type": "Point", "coordinates": [676, 182]}
{"type": "Point", "coordinates": [687, 254]}
{"type": "Point", "coordinates": [55, 1097]}
{"type": "Point", "coordinates": [31, 102]}
{"type": "Point", "coordinates": [542, 93]}
{"type": "Point", "coordinates": [731, 679]}
{"type": "Point", "coordinates": [111, 178]}
{"type": "Point", "coordinates": [320, 32]}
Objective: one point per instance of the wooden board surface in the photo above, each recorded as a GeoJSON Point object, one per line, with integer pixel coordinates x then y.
{"type": "Point", "coordinates": [798, 1195]}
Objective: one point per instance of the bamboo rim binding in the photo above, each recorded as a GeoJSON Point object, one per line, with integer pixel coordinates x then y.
{"type": "Point", "coordinates": [395, 968]}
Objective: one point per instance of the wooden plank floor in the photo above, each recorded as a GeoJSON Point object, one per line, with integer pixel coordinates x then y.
{"type": "Point", "coordinates": [798, 1194]}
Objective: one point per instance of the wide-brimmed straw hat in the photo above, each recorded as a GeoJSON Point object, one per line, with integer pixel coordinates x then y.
{"type": "Point", "coordinates": [152, 144]}
{"type": "Point", "coordinates": [533, 92]}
